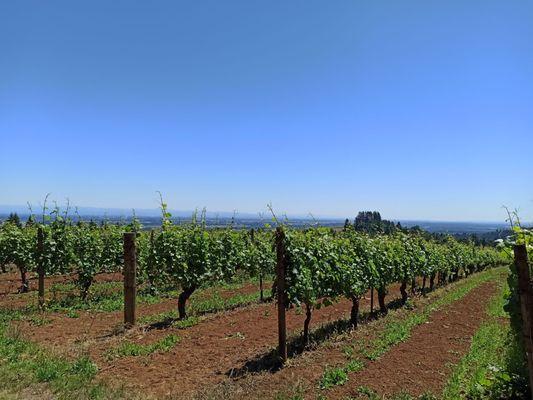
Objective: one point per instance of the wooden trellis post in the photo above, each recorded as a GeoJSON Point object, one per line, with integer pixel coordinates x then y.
{"type": "Point", "coordinates": [526, 304]}
{"type": "Point", "coordinates": [130, 271]}
{"type": "Point", "coordinates": [280, 281]}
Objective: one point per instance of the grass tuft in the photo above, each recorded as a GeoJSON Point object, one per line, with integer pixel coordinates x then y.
{"type": "Point", "coordinates": [333, 377]}
{"type": "Point", "coordinates": [130, 349]}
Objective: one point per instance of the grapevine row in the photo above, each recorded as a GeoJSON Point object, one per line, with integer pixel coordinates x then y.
{"type": "Point", "coordinates": [322, 265]}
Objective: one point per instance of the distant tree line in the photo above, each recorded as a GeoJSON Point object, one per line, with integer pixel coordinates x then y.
{"type": "Point", "coordinates": [370, 222]}
{"type": "Point", "coordinates": [14, 219]}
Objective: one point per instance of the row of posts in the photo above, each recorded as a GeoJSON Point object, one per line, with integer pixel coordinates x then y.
{"type": "Point", "coordinates": [130, 286]}
{"type": "Point", "coordinates": [525, 289]}
{"type": "Point", "coordinates": [130, 267]}
{"type": "Point", "coordinates": [130, 271]}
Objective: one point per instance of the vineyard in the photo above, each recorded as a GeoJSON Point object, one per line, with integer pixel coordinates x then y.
{"type": "Point", "coordinates": [193, 283]}
{"type": "Point", "coordinates": [266, 200]}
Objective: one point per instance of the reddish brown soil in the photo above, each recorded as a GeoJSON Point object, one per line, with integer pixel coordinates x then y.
{"type": "Point", "coordinates": [422, 363]}
{"type": "Point", "coordinates": [207, 352]}
{"type": "Point", "coordinates": [302, 375]}
{"type": "Point", "coordinates": [212, 352]}
{"type": "Point", "coordinates": [63, 331]}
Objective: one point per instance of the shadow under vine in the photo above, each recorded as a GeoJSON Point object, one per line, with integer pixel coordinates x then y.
{"type": "Point", "coordinates": [271, 362]}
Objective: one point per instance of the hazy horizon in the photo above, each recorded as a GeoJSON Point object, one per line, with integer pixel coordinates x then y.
{"type": "Point", "coordinates": [89, 211]}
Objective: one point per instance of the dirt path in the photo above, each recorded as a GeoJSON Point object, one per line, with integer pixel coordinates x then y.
{"type": "Point", "coordinates": [300, 378]}
{"type": "Point", "coordinates": [421, 364]}
{"type": "Point", "coordinates": [212, 353]}
{"type": "Point", "coordinates": [208, 352]}
{"type": "Point", "coordinates": [62, 331]}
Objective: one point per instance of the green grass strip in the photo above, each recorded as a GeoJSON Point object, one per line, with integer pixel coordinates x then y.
{"type": "Point", "coordinates": [23, 364]}
{"type": "Point", "coordinates": [198, 307]}
{"type": "Point", "coordinates": [109, 297]}
{"type": "Point", "coordinates": [103, 297]}
{"type": "Point", "coordinates": [399, 329]}
{"type": "Point", "coordinates": [131, 349]}
{"type": "Point", "coordinates": [494, 367]}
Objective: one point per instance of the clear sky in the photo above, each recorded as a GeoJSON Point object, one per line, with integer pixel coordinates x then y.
{"type": "Point", "coordinates": [418, 108]}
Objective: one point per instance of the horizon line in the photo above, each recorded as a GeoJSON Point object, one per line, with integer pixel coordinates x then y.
{"type": "Point", "coordinates": [4, 209]}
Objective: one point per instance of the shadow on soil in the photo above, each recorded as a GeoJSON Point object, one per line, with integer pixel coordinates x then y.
{"type": "Point", "coordinates": [270, 361]}
{"type": "Point", "coordinates": [168, 322]}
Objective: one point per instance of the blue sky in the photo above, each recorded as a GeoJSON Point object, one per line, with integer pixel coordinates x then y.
{"type": "Point", "coordinates": [419, 109]}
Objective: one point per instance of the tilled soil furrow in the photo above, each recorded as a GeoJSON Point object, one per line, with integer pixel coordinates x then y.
{"type": "Point", "coordinates": [207, 352]}
{"type": "Point", "coordinates": [422, 363]}
{"type": "Point", "coordinates": [211, 351]}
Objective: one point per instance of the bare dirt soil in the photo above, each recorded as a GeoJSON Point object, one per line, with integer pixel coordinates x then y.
{"type": "Point", "coordinates": [422, 363]}
{"type": "Point", "coordinates": [221, 346]}
{"type": "Point", "coordinates": [419, 365]}
{"type": "Point", "coordinates": [236, 349]}
{"type": "Point", "coordinates": [63, 331]}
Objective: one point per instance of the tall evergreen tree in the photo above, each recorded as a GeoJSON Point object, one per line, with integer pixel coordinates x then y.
{"type": "Point", "coordinates": [14, 219]}
{"type": "Point", "coordinates": [347, 224]}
